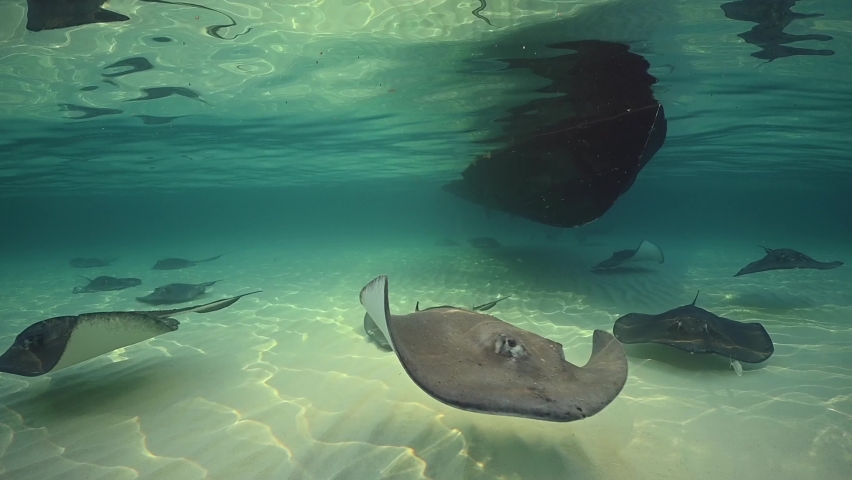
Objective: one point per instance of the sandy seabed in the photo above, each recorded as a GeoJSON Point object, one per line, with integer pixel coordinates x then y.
{"type": "Point", "coordinates": [285, 383]}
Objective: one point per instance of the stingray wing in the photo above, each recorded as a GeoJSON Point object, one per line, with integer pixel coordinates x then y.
{"type": "Point", "coordinates": [746, 342]}
{"type": "Point", "coordinates": [60, 342]}
{"type": "Point", "coordinates": [479, 363]}
{"type": "Point", "coordinates": [675, 328]}
{"type": "Point", "coordinates": [761, 265]}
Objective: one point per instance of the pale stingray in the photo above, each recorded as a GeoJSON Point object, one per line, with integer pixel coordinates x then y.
{"type": "Point", "coordinates": [646, 252]}
{"type": "Point", "coordinates": [476, 362]}
{"type": "Point", "coordinates": [60, 342]}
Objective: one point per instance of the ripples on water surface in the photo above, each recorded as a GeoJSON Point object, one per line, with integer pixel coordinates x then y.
{"type": "Point", "coordinates": [173, 132]}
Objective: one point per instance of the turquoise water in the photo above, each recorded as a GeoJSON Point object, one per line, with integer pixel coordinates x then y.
{"type": "Point", "coordinates": [312, 143]}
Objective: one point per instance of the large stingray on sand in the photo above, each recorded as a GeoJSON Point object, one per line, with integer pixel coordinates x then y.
{"type": "Point", "coordinates": [60, 342]}
{"type": "Point", "coordinates": [476, 362]}
{"type": "Point", "coordinates": [695, 330]}
{"type": "Point", "coordinates": [785, 259]}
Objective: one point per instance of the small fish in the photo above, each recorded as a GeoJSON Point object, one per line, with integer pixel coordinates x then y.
{"type": "Point", "coordinates": [489, 305]}
{"type": "Point", "coordinates": [737, 366]}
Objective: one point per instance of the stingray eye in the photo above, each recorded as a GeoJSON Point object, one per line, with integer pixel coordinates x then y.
{"type": "Point", "coordinates": [509, 347]}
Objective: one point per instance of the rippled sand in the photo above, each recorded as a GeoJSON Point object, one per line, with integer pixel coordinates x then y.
{"type": "Point", "coordinates": [284, 384]}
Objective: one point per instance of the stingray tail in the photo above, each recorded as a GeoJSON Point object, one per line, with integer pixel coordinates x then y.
{"type": "Point", "coordinates": [211, 258]}
{"type": "Point", "coordinates": [205, 308]}
{"type": "Point", "coordinates": [374, 298]}
{"type": "Point", "coordinates": [696, 297]}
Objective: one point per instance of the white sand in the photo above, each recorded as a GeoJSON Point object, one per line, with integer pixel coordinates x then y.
{"type": "Point", "coordinates": [284, 384]}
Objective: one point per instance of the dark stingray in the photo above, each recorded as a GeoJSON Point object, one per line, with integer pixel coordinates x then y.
{"type": "Point", "coordinates": [176, 293]}
{"type": "Point", "coordinates": [476, 362]}
{"type": "Point", "coordinates": [564, 158]}
{"type": "Point", "coordinates": [484, 242]}
{"type": "Point", "coordinates": [90, 262]}
{"type": "Point", "coordinates": [60, 342]}
{"type": "Point", "coordinates": [645, 252]}
{"type": "Point", "coordinates": [107, 284]}
{"type": "Point", "coordinates": [178, 263]}
{"type": "Point", "coordinates": [695, 330]}
{"type": "Point", "coordinates": [785, 259]}
{"type": "Point", "coordinates": [55, 14]}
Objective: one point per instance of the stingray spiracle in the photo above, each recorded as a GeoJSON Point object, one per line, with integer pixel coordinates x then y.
{"type": "Point", "coordinates": [509, 347]}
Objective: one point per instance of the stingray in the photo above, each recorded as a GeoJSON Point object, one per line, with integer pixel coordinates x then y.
{"type": "Point", "coordinates": [695, 330]}
{"type": "Point", "coordinates": [476, 362]}
{"type": "Point", "coordinates": [785, 259]}
{"type": "Point", "coordinates": [56, 343]}
{"type": "Point", "coordinates": [645, 252]}
{"type": "Point", "coordinates": [178, 263]}
{"type": "Point", "coordinates": [107, 284]}
{"type": "Point", "coordinates": [484, 242]}
{"type": "Point", "coordinates": [90, 262]}
{"type": "Point", "coordinates": [564, 158]}
{"type": "Point", "coordinates": [55, 14]}
{"type": "Point", "coordinates": [176, 293]}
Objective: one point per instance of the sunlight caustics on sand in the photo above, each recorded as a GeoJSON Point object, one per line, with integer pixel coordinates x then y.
{"type": "Point", "coordinates": [286, 384]}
